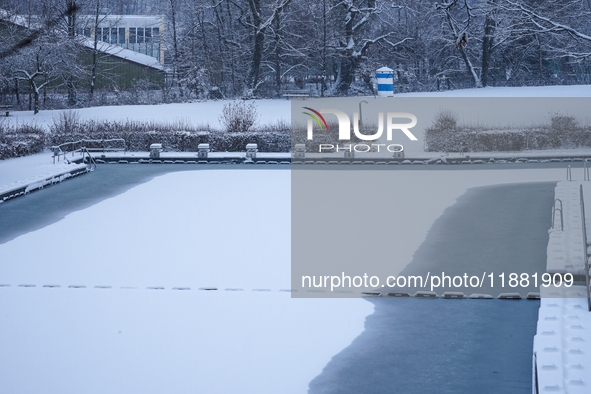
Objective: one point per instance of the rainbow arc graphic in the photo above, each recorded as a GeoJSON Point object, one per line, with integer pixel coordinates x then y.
{"type": "Point", "coordinates": [315, 118]}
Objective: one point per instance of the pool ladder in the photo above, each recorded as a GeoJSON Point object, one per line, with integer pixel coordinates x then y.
{"type": "Point", "coordinates": [91, 161]}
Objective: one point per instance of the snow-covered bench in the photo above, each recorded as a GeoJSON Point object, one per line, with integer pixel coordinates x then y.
{"type": "Point", "coordinates": [6, 108]}
{"type": "Point", "coordinates": [296, 93]}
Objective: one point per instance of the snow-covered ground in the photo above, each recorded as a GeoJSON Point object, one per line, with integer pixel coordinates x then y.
{"type": "Point", "coordinates": [29, 170]}
{"type": "Point", "coordinates": [270, 111]}
{"type": "Point", "coordinates": [196, 113]}
{"type": "Point", "coordinates": [119, 321]}
{"type": "Point", "coordinates": [528, 91]}
{"type": "Point", "coordinates": [205, 113]}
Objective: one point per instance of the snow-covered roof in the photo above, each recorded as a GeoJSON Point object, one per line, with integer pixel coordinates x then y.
{"type": "Point", "coordinates": [13, 18]}
{"type": "Point", "coordinates": [103, 47]}
{"type": "Point", "coordinates": [125, 20]}
{"type": "Point", "coordinates": [384, 70]}
{"type": "Point", "coordinates": [123, 53]}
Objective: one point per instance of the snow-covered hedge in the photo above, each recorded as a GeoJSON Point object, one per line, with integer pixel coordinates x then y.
{"type": "Point", "coordinates": [484, 140]}
{"type": "Point", "coordinates": [138, 136]}
{"type": "Point", "coordinates": [20, 140]}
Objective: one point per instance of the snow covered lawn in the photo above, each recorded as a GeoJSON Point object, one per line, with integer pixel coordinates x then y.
{"type": "Point", "coordinates": [270, 111]}
{"type": "Point", "coordinates": [525, 91]}
{"type": "Point", "coordinates": [197, 113]}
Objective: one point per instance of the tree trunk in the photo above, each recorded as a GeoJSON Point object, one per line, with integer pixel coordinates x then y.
{"type": "Point", "coordinates": [277, 58]}
{"type": "Point", "coordinates": [220, 80]}
{"type": "Point", "coordinates": [72, 96]}
{"type": "Point", "coordinates": [16, 90]}
{"type": "Point", "coordinates": [540, 61]}
{"type": "Point", "coordinates": [232, 57]}
{"type": "Point", "coordinates": [486, 52]}
{"type": "Point", "coordinates": [324, 45]}
{"type": "Point", "coordinates": [467, 62]}
{"type": "Point", "coordinates": [71, 17]}
{"type": "Point", "coordinates": [257, 56]}
{"type": "Point", "coordinates": [487, 45]}
{"type": "Point", "coordinates": [470, 68]}
{"type": "Point", "coordinates": [36, 97]}
{"type": "Point", "coordinates": [348, 65]}
{"type": "Point", "coordinates": [174, 45]}
{"type": "Point", "coordinates": [95, 50]}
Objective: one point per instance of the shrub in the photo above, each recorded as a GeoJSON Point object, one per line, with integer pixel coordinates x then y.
{"type": "Point", "coordinates": [67, 121]}
{"type": "Point", "coordinates": [560, 122]}
{"type": "Point", "coordinates": [238, 116]}
{"type": "Point", "coordinates": [445, 120]}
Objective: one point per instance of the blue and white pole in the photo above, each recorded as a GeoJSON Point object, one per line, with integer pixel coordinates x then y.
{"type": "Point", "coordinates": [385, 77]}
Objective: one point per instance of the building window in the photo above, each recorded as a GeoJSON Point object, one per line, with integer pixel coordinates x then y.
{"type": "Point", "coordinates": [105, 34]}
{"type": "Point", "coordinates": [148, 33]}
{"type": "Point", "coordinates": [113, 36]}
{"type": "Point", "coordinates": [132, 36]}
{"type": "Point", "coordinates": [121, 35]}
{"type": "Point", "coordinates": [140, 35]}
{"type": "Point", "coordinates": [156, 34]}
{"type": "Point", "coordinates": [87, 32]}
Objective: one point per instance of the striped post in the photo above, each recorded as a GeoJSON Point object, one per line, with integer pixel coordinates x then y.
{"type": "Point", "coordinates": [385, 78]}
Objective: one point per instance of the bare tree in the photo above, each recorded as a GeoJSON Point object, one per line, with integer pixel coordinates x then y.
{"type": "Point", "coordinates": [357, 36]}
{"type": "Point", "coordinates": [260, 25]}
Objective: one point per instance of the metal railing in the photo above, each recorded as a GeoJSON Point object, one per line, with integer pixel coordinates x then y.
{"type": "Point", "coordinates": [535, 380]}
{"type": "Point", "coordinates": [89, 145]}
{"type": "Point", "coordinates": [91, 161]}
{"type": "Point", "coordinates": [554, 210]}
{"type": "Point", "coordinates": [586, 248]}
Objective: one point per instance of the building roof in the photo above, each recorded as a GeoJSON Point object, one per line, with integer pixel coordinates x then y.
{"type": "Point", "coordinates": [109, 49]}
{"type": "Point", "coordinates": [122, 53]}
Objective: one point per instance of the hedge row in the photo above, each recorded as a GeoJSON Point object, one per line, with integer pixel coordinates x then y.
{"type": "Point", "coordinates": [506, 140]}
{"type": "Point", "coordinates": [21, 141]}
{"type": "Point", "coordinates": [26, 140]}
{"type": "Point", "coordinates": [139, 136]}
{"type": "Point", "coordinates": [181, 141]}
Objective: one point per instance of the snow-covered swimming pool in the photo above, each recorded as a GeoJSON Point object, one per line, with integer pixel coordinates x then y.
{"type": "Point", "coordinates": [193, 229]}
